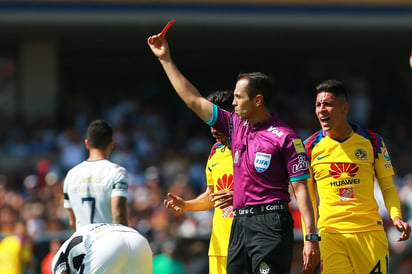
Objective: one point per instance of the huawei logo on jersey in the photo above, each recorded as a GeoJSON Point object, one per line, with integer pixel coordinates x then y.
{"type": "Point", "coordinates": [336, 169]}
{"type": "Point", "coordinates": [225, 183]}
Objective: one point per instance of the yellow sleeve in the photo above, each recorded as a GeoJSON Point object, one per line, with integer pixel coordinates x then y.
{"type": "Point", "coordinates": [208, 172]}
{"type": "Point", "coordinates": [390, 196]}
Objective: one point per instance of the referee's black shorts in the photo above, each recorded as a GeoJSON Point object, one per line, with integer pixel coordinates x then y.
{"type": "Point", "coordinates": [261, 243]}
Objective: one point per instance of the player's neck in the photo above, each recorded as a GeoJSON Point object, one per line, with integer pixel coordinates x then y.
{"type": "Point", "coordinates": [96, 155]}
{"type": "Point", "coordinates": [342, 133]}
{"type": "Point", "coordinates": [260, 116]}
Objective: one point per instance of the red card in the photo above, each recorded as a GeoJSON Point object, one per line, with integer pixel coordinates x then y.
{"type": "Point", "coordinates": [166, 28]}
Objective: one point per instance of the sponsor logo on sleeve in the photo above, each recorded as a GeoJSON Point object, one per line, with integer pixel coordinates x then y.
{"type": "Point", "coordinates": [386, 154]}
{"type": "Point", "coordinates": [301, 165]}
{"type": "Point", "coordinates": [298, 145]}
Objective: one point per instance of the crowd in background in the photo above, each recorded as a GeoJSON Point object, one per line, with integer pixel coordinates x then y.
{"type": "Point", "coordinates": [164, 148]}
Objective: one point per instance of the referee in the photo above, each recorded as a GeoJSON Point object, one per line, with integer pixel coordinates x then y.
{"type": "Point", "coordinates": [268, 156]}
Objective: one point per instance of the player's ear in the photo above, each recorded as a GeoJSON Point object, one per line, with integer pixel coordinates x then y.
{"type": "Point", "coordinates": [346, 107]}
{"type": "Point", "coordinates": [258, 100]}
{"type": "Point", "coordinates": [86, 143]}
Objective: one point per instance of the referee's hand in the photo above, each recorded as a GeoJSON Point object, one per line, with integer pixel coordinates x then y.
{"type": "Point", "coordinates": [410, 60]}
{"type": "Point", "coordinates": [311, 256]}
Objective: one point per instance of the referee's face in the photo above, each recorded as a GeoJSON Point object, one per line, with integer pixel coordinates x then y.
{"type": "Point", "coordinates": [242, 103]}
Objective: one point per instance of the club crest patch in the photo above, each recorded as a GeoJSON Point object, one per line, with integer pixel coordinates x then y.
{"type": "Point", "coordinates": [262, 161]}
{"type": "Point", "coordinates": [264, 268]}
{"type": "Point", "coordinates": [361, 154]}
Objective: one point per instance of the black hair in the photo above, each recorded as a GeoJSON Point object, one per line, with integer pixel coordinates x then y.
{"type": "Point", "coordinates": [259, 83]}
{"type": "Point", "coordinates": [223, 99]}
{"type": "Point", "coordinates": [333, 86]}
{"type": "Point", "coordinates": [99, 134]}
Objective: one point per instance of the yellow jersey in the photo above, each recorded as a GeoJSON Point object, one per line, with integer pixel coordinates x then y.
{"type": "Point", "coordinates": [344, 172]}
{"type": "Point", "coordinates": [13, 255]}
{"type": "Point", "coordinates": [219, 174]}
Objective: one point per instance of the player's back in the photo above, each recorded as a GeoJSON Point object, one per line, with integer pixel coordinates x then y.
{"type": "Point", "coordinates": [88, 189]}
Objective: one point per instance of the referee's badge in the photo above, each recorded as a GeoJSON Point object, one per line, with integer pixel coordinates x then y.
{"type": "Point", "coordinates": [262, 161]}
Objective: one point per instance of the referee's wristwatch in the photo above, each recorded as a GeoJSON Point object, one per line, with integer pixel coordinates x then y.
{"type": "Point", "coordinates": [312, 237]}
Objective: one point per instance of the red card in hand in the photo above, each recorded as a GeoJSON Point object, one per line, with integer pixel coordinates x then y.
{"type": "Point", "coordinates": [166, 28]}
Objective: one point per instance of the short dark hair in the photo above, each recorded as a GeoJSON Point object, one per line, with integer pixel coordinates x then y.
{"type": "Point", "coordinates": [99, 134]}
{"type": "Point", "coordinates": [223, 99]}
{"type": "Point", "coordinates": [259, 83]}
{"type": "Point", "coordinates": [333, 86]}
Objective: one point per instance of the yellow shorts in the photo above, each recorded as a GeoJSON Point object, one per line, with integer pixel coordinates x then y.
{"type": "Point", "coordinates": [363, 252]}
{"type": "Point", "coordinates": [217, 264]}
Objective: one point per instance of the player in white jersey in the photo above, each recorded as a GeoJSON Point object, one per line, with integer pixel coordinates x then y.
{"type": "Point", "coordinates": [104, 248]}
{"type": "Point", "coordinates": [95, 191]}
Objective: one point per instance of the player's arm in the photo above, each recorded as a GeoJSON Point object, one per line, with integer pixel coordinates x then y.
{"type": "Point", "coordinates": [313, 194]}
{"type": "Point", "coordinates": [410, 60]}
{"type": "Point", "coordinates": [393, 205]}
{"type": "Point", "coordinates": [311, 254]}
{"type": "Point", "coordinates": [200, 203]}
{"type": "Point", "coordinates": [72, 218]}
{"type": "Point", "coordinates": [186, 91]}
{"type": "Point", "coordinates": [119, 210]}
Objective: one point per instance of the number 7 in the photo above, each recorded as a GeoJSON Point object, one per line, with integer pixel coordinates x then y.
{"type": "Point", "coordinates": [91, 200]}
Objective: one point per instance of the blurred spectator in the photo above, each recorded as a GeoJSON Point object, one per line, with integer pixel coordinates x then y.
{"type": "Point", "coordinates": [405, 195]}
{"type": "Point", "coordinates": [46, 263]}
{"type": "Point", "coordinates": [16, 251]}
{"type": "Point", "coordinates": [168, 260]}
{"type": "Point", "coordinates": [71, 147]}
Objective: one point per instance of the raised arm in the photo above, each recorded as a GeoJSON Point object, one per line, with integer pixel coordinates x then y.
{"type": "Point", "coordinates": [410, 60]}
{"type": "Point", "coordinates": [187, 92]}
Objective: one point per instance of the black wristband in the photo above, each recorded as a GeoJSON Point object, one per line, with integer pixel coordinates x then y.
{"type": "Point", "coordinates": [312, 238]}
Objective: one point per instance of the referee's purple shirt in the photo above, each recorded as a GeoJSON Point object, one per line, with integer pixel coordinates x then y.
{"type": "Point", "coordinates": [265, 158]}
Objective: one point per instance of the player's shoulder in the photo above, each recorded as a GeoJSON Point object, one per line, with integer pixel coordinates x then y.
{"type": "Point", "coordinates": [310, 142]}
{"type": "Point", "coordinates": [367, 133]}
{"type": "Point", "coordinates": [76, 168]}
{"type": "Point", "coordinates": [215, 148]}
{"type": "Point", "coordinates": [374, 138]}
{"type": "Point", "coordinates": [313, 139]}
{"type": "Point", "coordinates": [114, 166]}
